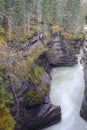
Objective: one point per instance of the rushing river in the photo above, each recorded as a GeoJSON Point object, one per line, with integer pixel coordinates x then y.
{"type": "Point", "coordinates": [67, 90]}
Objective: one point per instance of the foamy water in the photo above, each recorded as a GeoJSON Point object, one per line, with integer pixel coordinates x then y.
{"type": "Point", "coordinates": [67, 90]}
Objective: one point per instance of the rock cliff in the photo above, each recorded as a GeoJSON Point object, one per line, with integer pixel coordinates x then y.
{"type": "Point", "coordinates": [83, 111]}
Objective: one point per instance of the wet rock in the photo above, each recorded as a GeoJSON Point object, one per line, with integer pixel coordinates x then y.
{"type": "Point", "coordinates": [44, 62]}
{"type": "Point", "coordinates": [65, 60]}
{"type": "Point", "coordinates": [83, 111]}
{"type": "Point", "coordinates": [39, 117]}
{"type": "Point", "coordinates": [76, 44]}
{"type": "Point", "coordinates": [58, 52]}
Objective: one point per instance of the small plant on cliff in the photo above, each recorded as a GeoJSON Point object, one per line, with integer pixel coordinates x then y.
{"type": "Point", "coordinates": [34, 95]}
{"type": "Point", "coordinates": [79, 36]}
{"type": "Point", "coordinates": [3, 41]}
{"type": "Point", "coordinates": [6, 120]}
{"type": "Point", "coordinates": [36, 73]}
{"type": "Point", "coordinates": [1, 30]}
{"type": "Point", "coordinates": [55, 28]}
{"type": "Point", "coordinates": [5, 96]}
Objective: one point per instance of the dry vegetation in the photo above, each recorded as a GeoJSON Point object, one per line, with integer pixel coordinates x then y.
{"type": "Point", "coordinates": [19, 62]}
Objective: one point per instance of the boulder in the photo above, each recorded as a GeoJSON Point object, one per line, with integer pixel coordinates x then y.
{"type": "Point", "coordinates": [38, 117]}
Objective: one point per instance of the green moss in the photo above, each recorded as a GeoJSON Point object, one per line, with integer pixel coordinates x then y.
{"type": "Point", "coordinates": [5, 96]}
{"type": "Point", "coordinates": [23, 39]}
{"type": "Point", "coordinates": [6, 120]}
{"type": "Point", "coordinates": [36, 73]}
{"type": "Point", "coordinates": [79, 36]}
{"type": "Point", "coordinates": [44, 89]}
{"type": "Point", "coordinates": [1, 30]}
{"type": "Point", "coordinates": [33, 95]}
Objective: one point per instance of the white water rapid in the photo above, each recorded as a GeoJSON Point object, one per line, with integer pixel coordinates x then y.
{"type": "Point", "coordinates": [67, 90]}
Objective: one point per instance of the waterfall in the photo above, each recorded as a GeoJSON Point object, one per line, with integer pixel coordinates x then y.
{"type": "Point", "coordinates": [67, 90]}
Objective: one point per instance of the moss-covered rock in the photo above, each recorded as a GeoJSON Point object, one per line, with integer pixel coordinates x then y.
{"type": "Point", "coordinates": [55, 28]}
{"type": "Point", "coordinates": [33, 95]}
{"type": "Point", "coordinates": [36, 73]}
{"type": "Point", "coordinates": [44, 89]}
{"type": "Point", "coordinates": [79, 36]}
{"type": "Point", "coordinates": [2, 31]}
{"type": "Point", "coordinates": [67, 35]}
{"type": "Point", "coordinates": [6, 120]}
{"type": "Point", "coordinates": [3, 41]}
{"type": "Point", "coordinates": [5, 96]}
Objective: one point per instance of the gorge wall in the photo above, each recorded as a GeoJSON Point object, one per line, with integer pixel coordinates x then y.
{"type": "Point", "coordinates": [30, 78]}
{"type": "Point", "coordinates": [83, 111]}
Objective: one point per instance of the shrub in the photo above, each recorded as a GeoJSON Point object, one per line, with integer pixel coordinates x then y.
{"type": "Point", "coordinates": [2, 41]}
{"type": "Point", "coordinates": [6, 120]}
{"type": "Point", "coordinates": [79, 36]}
{"type": "Point", "coordinates": [1, 30]}
{"type": "Point", "coordinates": [36, 73]}
{"type": "Point", "coordinates": [67, 35]}
{"type": "Point", "coordinates": [5, 96]}
{"type": "Point", "coordinates": [33, 95]}
{"type": "Point", "coordinates": [55, 28]}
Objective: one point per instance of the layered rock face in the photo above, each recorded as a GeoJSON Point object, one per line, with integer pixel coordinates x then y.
{"type": "Point", "coordinates": [32, 108]}
{"type": "Point", "coordinates": [40, 113]}
{"type": "Point", "coordinates": [83, 111]}
{"type": "Point", "coordinates": [60, 53]}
